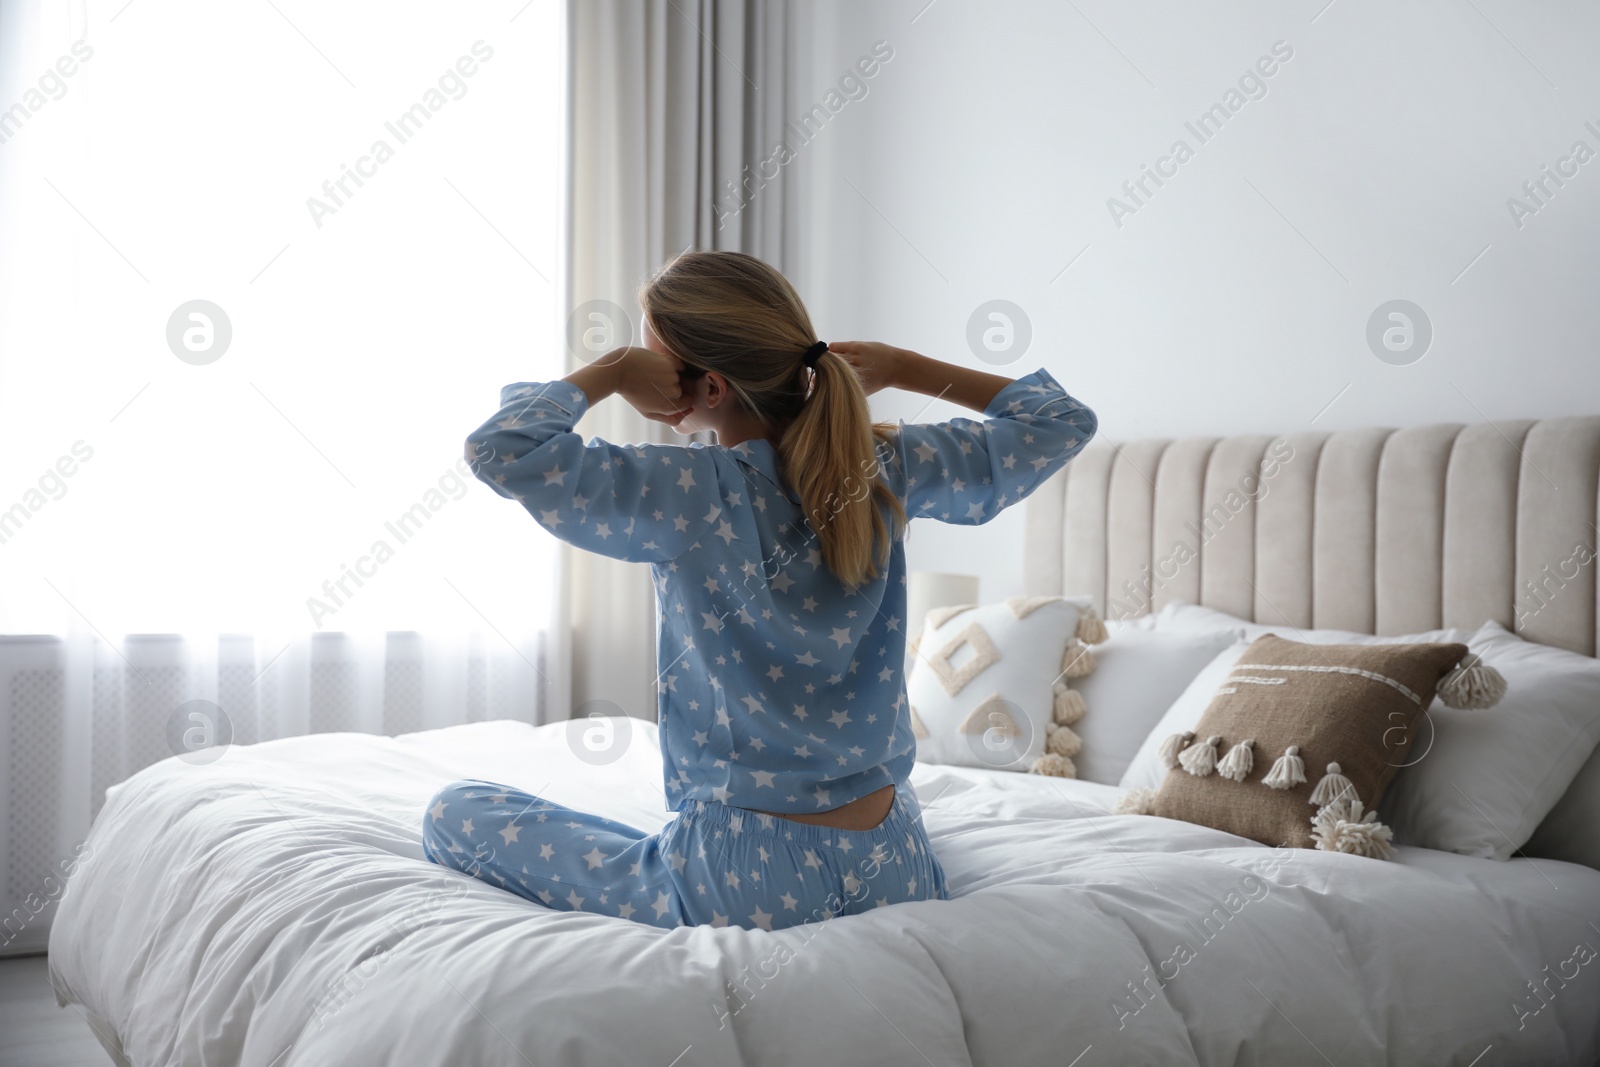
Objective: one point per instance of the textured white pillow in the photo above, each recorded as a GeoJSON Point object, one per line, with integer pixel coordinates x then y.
{"type": "Point", "coordinates": [1146, 770]}
{"type": "Point", "coordinates": [1002, 662]}
{"type": "Point", "coordinates": [1480, 782]}
{"type": "Point", "coordinates": [1138, 674]}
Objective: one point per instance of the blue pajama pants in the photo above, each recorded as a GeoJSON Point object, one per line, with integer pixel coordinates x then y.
{"type": "Point", "coordinates": [712, 865]}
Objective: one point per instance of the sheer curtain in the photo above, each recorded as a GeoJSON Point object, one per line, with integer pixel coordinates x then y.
{"type": "Point", "coordinates": [262, 268]}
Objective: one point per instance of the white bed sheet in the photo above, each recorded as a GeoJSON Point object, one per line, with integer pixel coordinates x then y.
{"type": "Point", "coordinates": [273, 909]}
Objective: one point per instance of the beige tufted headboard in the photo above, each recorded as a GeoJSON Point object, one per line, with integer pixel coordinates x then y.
{"type": "Point", "coordinates": [1376, 531]}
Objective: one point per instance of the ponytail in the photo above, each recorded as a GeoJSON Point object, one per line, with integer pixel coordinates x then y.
{"type": "Point", "coordinates": [732, 313]}
{"type": "Point", "coordinates": [829, 457]}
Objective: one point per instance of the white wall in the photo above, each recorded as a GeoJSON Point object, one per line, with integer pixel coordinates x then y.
{"type": "Point", "coordinates": [1377, 166]}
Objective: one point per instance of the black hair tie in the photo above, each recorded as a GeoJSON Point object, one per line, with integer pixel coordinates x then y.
{"type": "Point", "coordinates": [814, 353]}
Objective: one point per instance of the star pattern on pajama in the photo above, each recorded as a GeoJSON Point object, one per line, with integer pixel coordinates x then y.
{"type": "Point", "coordinates": [780, 689]}
{"type": "Point", "coordinates": [766, 659]}
{"type": "Point", "coordinates": [712, 865]}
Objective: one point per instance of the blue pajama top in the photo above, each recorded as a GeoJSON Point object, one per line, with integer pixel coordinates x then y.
{"type": "Point", "coordinates": [779, 689]}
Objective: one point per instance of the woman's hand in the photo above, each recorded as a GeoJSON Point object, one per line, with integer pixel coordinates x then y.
{"type": "Point", "coordinates": [650, 381]}
{"type": "Point", "coordinates": [879, 366]}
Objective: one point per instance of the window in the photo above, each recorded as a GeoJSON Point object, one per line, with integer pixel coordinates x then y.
{"type": "Point", "coordinates": [262, 268]}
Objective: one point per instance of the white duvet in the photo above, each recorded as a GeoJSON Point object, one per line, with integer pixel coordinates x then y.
{"type": "Point", "coordinates": [273, 908]}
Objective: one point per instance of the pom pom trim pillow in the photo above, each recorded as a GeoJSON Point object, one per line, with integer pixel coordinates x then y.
{"type": "Point", "coordinates": [1300, 741]}
{"type": "Point", "coordinates": [989, 684]}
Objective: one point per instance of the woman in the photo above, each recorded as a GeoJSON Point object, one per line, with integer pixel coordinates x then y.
{"type": "Point", "coordinates": [780, 576]}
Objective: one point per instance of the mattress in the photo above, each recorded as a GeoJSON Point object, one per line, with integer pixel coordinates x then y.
{"type": "Point", "coordinates": [273, 909]}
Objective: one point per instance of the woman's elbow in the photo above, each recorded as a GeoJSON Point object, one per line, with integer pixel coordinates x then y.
{"type": "Point", "coordinates": [479, 448]}
{"type": "Point", "coordinates": [1088, 425]}
{"type": "Point", "coordinates": [1081, 425]}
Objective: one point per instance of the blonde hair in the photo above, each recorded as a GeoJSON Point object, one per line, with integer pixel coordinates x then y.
{"type": "Point", "coordinates": [733, 314]}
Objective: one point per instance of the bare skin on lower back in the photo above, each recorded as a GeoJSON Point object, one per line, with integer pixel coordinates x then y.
{"type": "Point", "coordinates": [862, 814]}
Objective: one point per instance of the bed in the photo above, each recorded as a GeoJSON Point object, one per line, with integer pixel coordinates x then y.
{"type": "Point", "coordinates": [273, 908]}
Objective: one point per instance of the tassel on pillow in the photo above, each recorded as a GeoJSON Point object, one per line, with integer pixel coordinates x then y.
{"type": "Point", "coordinates": [1472, 683]}
{"type": "Point", "coordinates": [1136, 802]}
{"type": "Point", "coordinates": [1238, 762]}
{"type": "Point", "coordinates": [1334, 786]}
{"type": "Point", "coordinates": [1342, 826]}
{"type": "Point", "coordinates": [1076, 660]}
{"type": "Point", "coordinates": [1200, 758]}
{"type": "Point", "coordinates": [1062, 740]}
{"type": "Point", "coordinates": [1288, 770]}
{"type": "Point", "coordinates": [1055, 766]}
{"type": "Point", "coordinates": [1091, 629]}
{"type": "Point", "coordinates": [1172, 746]}
{"type": "Point", "coordinates": [1068, 706]}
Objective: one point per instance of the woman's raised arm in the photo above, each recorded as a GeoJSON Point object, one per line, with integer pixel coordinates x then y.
{"type": "Point", "coordinates": [883, 366]}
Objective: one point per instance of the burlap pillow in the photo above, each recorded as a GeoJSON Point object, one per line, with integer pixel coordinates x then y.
{"type": "Point", "coordinates": [1301, 741]}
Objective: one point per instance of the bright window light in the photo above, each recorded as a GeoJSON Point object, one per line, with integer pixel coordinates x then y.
{"type": "Point", "coordinates": [263, 266]}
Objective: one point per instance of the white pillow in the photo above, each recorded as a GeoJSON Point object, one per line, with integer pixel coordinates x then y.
{"type": "Point", "coordinates": [1146, 770]}
{"type": "Point", "coordinates": [1571, 832]}
{"type": "Point", "coordinates": [1138, 674]}
{"type": "Point", "coordinates": [982, 687]}
{"type": "Point", "coordinates": [1488, 777]}
{"type": "Point", "coordinates": [1193, 617]}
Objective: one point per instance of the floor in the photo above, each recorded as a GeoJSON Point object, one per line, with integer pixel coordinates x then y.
{"type": "Point", "coordinates": [34, 1032]}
